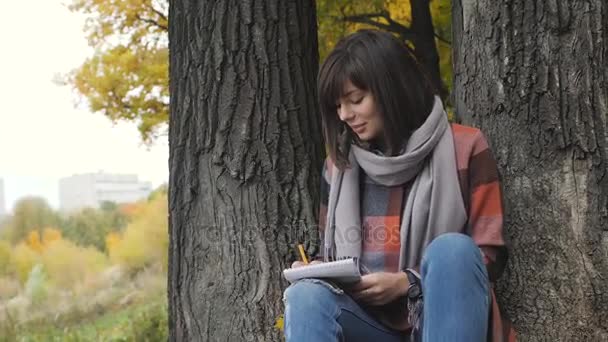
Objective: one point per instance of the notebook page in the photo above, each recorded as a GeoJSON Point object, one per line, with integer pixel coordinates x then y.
{"type": "Point", "coordinates": [343, 271]}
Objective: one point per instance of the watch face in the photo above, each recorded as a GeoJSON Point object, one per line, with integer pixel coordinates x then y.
{"type": "Point", "coordinates": [414, 292]}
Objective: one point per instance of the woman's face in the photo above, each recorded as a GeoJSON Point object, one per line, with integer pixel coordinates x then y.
{"type": "Point", "coordinates": [358, 109]}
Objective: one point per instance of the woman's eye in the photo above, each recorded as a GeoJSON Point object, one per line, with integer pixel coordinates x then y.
{"type": "Point", "coordinates": [357, 101]}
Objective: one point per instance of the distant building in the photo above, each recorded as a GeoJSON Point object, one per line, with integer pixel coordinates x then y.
{"type": "Point", "coordinates": [92, 189]}
{"type": "Point", "coordinates": [2, 203]}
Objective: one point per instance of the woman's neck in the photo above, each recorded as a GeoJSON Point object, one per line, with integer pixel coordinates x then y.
{"type": "Point", "coordinates": [382, 145]}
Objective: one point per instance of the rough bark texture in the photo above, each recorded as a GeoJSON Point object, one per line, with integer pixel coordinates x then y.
{"type": "Point", "coordinates": [245, 157]}
{"type": "Point", "coordinates": [532, 74]}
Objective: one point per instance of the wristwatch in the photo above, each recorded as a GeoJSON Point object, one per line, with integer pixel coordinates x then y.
{"type": "Point", "coordinates": [414, 291]}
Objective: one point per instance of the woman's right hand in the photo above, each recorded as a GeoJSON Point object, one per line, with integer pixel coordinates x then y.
{"type": "Point", "coordinates": [297, 264]}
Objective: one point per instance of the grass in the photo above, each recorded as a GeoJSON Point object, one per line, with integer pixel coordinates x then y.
{"type": "Point", "coordinates": [133, 309]}
{"type": "Point", "coordinates": [138, 322]}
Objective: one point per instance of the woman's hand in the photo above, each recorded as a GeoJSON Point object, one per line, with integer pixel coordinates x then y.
{"type": "Point", "coordinates": [301, 263]}
{"type": "Point", "coordinates": [380, 288]}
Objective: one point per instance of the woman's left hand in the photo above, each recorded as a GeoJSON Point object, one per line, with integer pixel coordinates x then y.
{"type": "Point", "coordinates": [380, 288]}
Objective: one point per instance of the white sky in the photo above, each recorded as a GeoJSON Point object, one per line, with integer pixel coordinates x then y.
{"type": "Point", "coordinates": [42, 136]}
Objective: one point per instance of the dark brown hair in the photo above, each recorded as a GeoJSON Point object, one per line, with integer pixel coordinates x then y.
{"type": "Point", "coordinates": [378, 62]}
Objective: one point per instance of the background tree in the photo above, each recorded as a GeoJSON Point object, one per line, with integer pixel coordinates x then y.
{"type": "Point", "coordinates": [29, 214]}
{"type": "Point", "coordinates": [532, 74]}
{"type": "Point", "coordinates": [127, 76]}
{"type": "Point", "coordinates": [425, 25]}
{"type": "Point", "coordinates": [245, 157]}
{"type": "Point", "coordinates": [145, 240]}
{"type": "Point", "coordinates": [89, 226]}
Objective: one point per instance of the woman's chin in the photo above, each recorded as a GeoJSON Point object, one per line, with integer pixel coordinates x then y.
{"type": "Point", "coordinates": [363, 137]}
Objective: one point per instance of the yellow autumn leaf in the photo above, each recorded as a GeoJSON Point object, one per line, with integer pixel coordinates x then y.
{"type": "Point", "coordinates": [279, 323]}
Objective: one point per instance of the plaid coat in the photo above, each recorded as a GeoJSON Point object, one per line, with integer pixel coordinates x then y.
{"type": "Point", "coordinates": [381, 209]}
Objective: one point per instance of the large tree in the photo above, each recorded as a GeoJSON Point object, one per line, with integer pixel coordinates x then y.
{"type": "Point", "coordinates": [532, 74]}
{"type": "Point", "coordinates": [245, 157]}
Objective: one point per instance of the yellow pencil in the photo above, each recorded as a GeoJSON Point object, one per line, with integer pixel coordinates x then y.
{"type": "Point", "coordinates": [302, 254]}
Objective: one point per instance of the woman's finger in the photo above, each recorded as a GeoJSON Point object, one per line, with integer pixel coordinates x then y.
{"type": "Point", "coordinates": [297, 264]}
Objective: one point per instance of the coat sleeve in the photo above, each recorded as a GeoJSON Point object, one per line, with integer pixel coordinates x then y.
{"type": "Point", "coordinates": [485, 224]}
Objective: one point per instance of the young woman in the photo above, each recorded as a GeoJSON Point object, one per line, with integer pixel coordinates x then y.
{"type": "Point", "coordinates": [416, 198]}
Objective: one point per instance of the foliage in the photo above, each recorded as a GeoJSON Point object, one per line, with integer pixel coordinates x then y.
{"type": "Point", "coordinates": [441, 10]}
{"type": "Point", "coordinates": [49, 235]}
{"type": "Point", "coordinates": [8, 329]}
{"type": "Point", "coordinates": [141, 322]}
{"type": "Point", "coordinates": [332, 26]}
{"type": "Point", "coordinates": [37, 244]}
{"type": "Point", "coordinates": [89, 227]}
{"type": "Point", "coordinates": [36, 287]}
{"type": "Point", "coordinates": [112, 242]}
{"type": "Point", "coordinates": [68, 264]}
{"type": "Point", "coordinates": [23, 260]}
{"type": "Point", "coordinates": [145, 241]}
{"type": "Point", "coordinates": [279, 324]}
{"type": "Point", "coordinates": [9, 288]}
{"type": "Point", "coordinates": [151, 325]}
{"type": "Point", "coordinates": [5, 257]}
{"type": "Point", "coordinates": [33, 241]}
{"type": "Point", "coordinates": [127, 77]}
{"type": "Point", "coordinates": [69, 292]}
{"type": "Point", "coordinates": [162, 190]}
{"type": "Point", "coordinates": [30, 214]}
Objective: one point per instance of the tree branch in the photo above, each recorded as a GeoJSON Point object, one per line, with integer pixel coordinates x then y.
{"type": "Point", "coordinates": [392, 26]}
{"type": "Point", "coordinates": [441, 39]}
{"type": "Point", "coordinates": [159, 13]}
{"type": "Point", "coordinates": [152, 22]}
{"type": "Point", "coordinates": [371, 19]}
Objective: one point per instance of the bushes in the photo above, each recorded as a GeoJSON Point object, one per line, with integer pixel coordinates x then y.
{"type": "Point", "coordinates": [145, 240]}
{"type": "Point", "coordinates": [89, 227]}
{"type": "Point", "coordinates": [143, 323]}
{"type": "Point", "coordinates": [68, 264]}
{"type": "Point", "coordinates": [5, 257]}
{"type": "Point", "coordinates": [151, 325]}
{"type": "Point", "coordinates": [53, 288]}
{"type": "Point", "coordinates": [65, 263]}
{"type": "Point", "coordinates": [143, 243]}
{"type": "Point", "coordinates": [36, 288]}
{"type": "Point", "coordinates": [22, 261]}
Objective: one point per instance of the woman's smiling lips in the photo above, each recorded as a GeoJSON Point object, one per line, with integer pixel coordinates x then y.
{"type": "Point", "coordinates": [358, 128]}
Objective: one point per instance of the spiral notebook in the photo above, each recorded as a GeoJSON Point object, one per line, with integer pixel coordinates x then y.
{"type": "Point", "coordinates": [345, 271]}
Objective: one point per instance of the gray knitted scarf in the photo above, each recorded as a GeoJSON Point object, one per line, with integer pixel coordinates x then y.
{"type": "Point", "coordinates": [434, 202]}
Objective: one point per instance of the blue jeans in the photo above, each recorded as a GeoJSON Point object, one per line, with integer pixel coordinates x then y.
{"type": "Point", "coordinates": [456, 301]}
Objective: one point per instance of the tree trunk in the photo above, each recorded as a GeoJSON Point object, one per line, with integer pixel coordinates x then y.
{"type": "Point", "coordinates": [424, 43]}
{"type": "Point", "coordinates": [532, 75]}
{"type": "Point", "coordinates": [245, 157]}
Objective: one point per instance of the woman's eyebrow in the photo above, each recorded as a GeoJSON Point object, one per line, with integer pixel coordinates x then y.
{"type": "Point", "coordinates": [349, 92]}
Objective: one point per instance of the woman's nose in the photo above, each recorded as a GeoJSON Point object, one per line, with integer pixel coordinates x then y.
{"type": "Point", "coordinates": [345, 113]}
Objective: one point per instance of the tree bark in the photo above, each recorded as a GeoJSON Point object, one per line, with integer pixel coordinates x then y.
{"type": "Point", "coordinates": [245, 158]}
{"type": "Point", "coordinates": [532, 75]}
